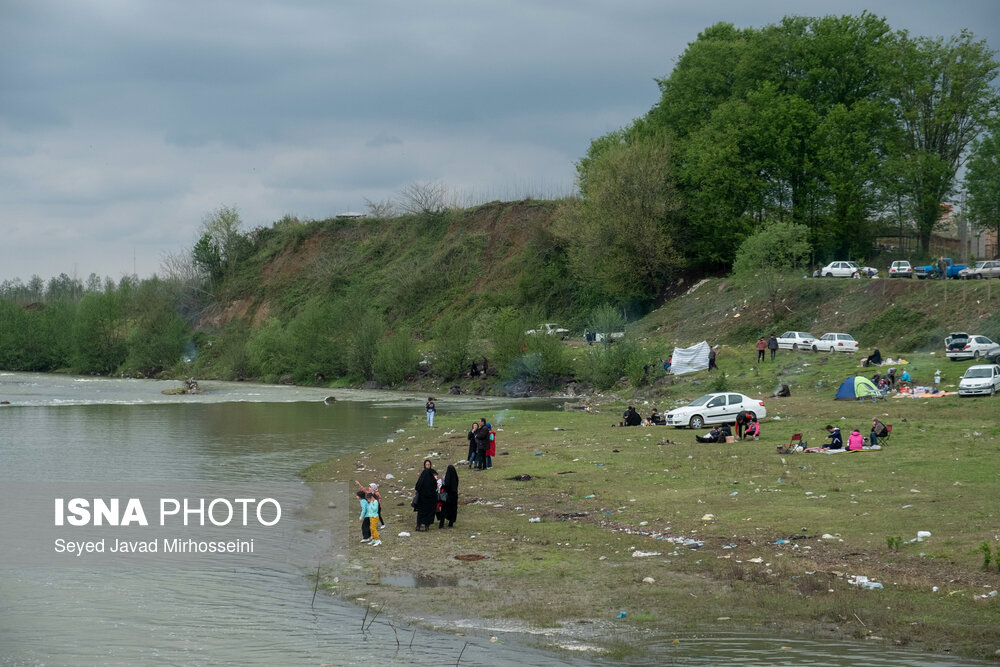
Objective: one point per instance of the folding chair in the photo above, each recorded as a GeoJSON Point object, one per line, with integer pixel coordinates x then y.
{"type": "Point", "coordinates": [885, 438]}
{"type": "Point", "coordinates": [789, 447]}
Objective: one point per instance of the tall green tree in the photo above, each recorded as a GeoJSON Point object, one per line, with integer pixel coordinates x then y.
{"type": "Point", "coordinates": [768, 257]}
{"type": "Point", "coordinates": [222, 245]}
{"type": "Point", "coordinates": [944, 95]}
{"type": "Point", "coordinates": [982, 180]}
{"type": "Point", "coordinates": [620, 235]}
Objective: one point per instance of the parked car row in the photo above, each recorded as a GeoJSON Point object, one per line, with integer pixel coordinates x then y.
{"type": "Point", "coordinates": [903, 269]}
{"type": "Point", "coordinates": [830, 342]}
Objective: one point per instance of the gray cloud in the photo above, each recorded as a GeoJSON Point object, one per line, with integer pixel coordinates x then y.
{"type": "Point", "coordinates": [123, 124]}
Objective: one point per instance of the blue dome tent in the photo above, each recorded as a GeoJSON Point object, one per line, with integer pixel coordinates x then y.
{"type": "Point", "coordinates": [857, 388]}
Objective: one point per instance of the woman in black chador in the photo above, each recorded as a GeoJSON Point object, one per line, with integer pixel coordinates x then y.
{"type": "Point", "coordinates": [449, 507]}
{"type": "Point", "coordinates": [426, 500]}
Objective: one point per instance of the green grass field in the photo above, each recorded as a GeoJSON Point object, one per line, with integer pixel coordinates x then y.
{"type": "Point", "coordinates": [603, 493]}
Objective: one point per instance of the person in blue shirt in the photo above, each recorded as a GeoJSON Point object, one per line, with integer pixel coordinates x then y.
{"type": "Point", "coordinates": [366, 534]}
{"type": "Point", "coordinates": [372, 512]}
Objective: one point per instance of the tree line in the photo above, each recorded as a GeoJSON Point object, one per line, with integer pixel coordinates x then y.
{"type": "Point", "coordinates": [838, 124]}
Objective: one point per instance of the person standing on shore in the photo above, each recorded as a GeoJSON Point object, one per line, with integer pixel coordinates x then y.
{"type": "Point", "coordinates": [449, 502]}
{"type": "Point", "coordinates": [373, 509]}
{"type": "Point", "coordinates": [472, 444]}
{"type": "Point", "coordinates": [366, 532]}
{"type": "Point", "coordinates": [426, 497]}
{"type": "Point", "coordinates": [431, 409]}
{"type": "Point", "coordinates": [373, 489]}
{"type": "Point", "coordinates": [482, 443]}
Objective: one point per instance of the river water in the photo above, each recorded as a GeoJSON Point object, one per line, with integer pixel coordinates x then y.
{"type": "Point", "coordinates": [60, 428]}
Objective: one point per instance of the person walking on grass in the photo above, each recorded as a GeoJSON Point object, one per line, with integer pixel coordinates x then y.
{"type": "Point", "coordinates": [431, 409]}
{"type": "Point", "coordinates": [373, 507]}
{"type": "Point", "coordinates": [772, 345]}
{"type": "Point", "coordinates": [761, 346]}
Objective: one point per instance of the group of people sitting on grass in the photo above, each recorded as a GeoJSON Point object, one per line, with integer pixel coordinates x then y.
{"type": "Point", "coordinates": [632, 418]}
{"type": "Point", "coordinates": [747, 428]}
{"type": "Point", "coordinates": [855, 441]}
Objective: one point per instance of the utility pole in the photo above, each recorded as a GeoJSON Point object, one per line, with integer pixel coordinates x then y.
{"type": "Point", "coordinates": [963, 233]}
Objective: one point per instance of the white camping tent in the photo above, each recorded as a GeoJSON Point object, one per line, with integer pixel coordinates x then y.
{"type": "Point", "coordinates": [688, 359]}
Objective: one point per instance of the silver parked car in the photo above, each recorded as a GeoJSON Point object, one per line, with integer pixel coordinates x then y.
{"type": "Point", "coordinates": [986, 269]}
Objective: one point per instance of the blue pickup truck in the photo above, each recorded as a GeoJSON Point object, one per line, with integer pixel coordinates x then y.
{"type": "Point", "coordinates": [931, 270]}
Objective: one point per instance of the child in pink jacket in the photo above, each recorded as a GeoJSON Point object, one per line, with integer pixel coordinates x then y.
{"type": "Point", "coordinates": [855, 441]}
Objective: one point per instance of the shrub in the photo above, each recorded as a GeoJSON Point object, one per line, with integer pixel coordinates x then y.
{"type": "Point", "coordinates": [396, 358]}
{"type": "Point", "coordinates": [452, 347]}
{"type": "Point", "coordinates": [363, 345]}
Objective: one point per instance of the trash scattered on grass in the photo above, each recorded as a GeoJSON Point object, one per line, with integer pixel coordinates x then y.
{"type": "Point", "coordinates": [708, 517]}
{"type": "Point", "coordinates": [645, 554]}
{"type": "Point", "coordinates": [538, 453]}
{"type": "Point", "coordinates": [590, 496]}
{"type": "Point", "coordinates": [535, 519]}
{"type": "Point", "coordinates": [864, 582]}
{"type": "Point", "coordinates": [621, 614]}
{"type": "Point", "coordinates": [648, 580]}
{"type": "Point", "coordinates": [404, 534]}
{"type": "Point", "coordinates": [390, 476]}
{"type": "Point", "coordinates": [921, 534]}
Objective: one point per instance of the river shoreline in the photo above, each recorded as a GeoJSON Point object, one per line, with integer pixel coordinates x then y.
{"type": "Point", "coordinates": [638, 521]}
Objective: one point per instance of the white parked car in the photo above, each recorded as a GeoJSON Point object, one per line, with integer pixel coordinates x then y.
{"type": "Point", "coordinates": [979, 380]}
{"type": "Point", "coordinates": [901, 269]}
{"type": "Point", "coordinates": [549, 328]}
{"type": "Point", "coordinates": [990, 269]}
{"type": "Point", "coordinates": [796, 340]}
{"type": "Point", "coordinates": [847, 270]}
{"type": "Point", "coordinates": [714, 409]}
{"type": "Point", "coordinates": [836, 342]}
{"type": "Point", "coordinates": [965, 346]}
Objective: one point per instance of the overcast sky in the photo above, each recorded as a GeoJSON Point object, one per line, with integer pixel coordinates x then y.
{"type": "Point", "coordinates": [123, 123]}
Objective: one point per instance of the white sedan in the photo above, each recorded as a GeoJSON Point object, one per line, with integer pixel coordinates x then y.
{"type": "Point", "coordinates": [714, 409]}
{"type": "Point", "coordinates": [971, 347]}
{"type": "Point", "coordinates": [796, 340]}
{"type": "Point", "coordinates": [983, 379]}
{"type": "Point", "coordinates": [847, 270]}
{"type": "Point", "coordinates": [836, 342]}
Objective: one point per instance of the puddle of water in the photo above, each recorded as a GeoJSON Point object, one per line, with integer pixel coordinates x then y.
{"type": "Point", "coordinates": [423, 581]}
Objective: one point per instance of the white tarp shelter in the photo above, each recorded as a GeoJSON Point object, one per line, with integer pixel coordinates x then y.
{"type": "Point", "coordinates": [689, 359]}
